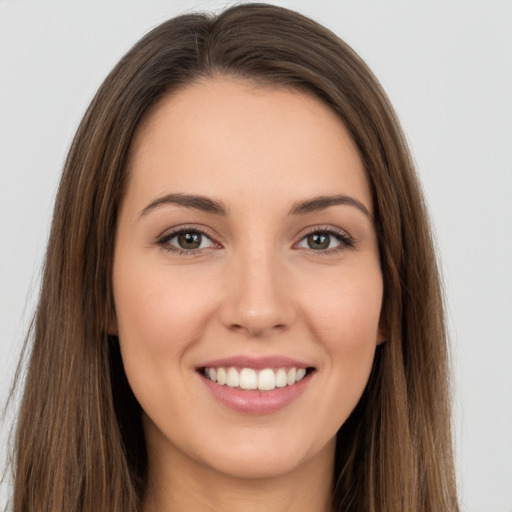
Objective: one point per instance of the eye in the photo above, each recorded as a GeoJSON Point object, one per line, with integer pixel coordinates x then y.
{"type": "Point", "coordinates": [185, 241]}
{"type": "Point", "coordinates": [326, 240]}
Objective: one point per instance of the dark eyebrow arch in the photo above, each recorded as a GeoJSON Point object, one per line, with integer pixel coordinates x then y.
{"type": "Point", "coordinates": [323, 202]}
{"type": "Point", "coordinates": [195, 202]}
{"type": "Point", "coordinates": [208, 205]}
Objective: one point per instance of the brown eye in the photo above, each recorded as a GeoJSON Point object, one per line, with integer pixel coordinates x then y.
{"type": "Point", "coordinates": [326, 240]}
{"type": "Point", "coordinates": [189, 240]}
{"type": "Point", "coordinates": [318, 241]}
{"type": "Point", "coordinates": [185, 241]}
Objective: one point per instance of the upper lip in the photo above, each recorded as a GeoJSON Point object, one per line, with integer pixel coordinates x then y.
{"type": "Point", "coordinates": [258, 363]}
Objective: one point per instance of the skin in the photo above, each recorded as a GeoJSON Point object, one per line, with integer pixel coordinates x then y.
{"type": "Point", "coordinates": [255, 287]}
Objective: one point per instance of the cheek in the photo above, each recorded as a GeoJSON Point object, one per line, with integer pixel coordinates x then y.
{"type": "Point", "coordinates": [345, 321]}
{"type": "Point", "coordinates": [160, 317]}
{"type": "Point", "coordinates": [345, 315]}
{"type": "Point", "coordinates": [159, 311]}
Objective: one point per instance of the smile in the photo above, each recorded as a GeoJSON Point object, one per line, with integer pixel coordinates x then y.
{"type": "Point", "coordinates": [265, 379]}
{"type": "Point", "coordinates": [256, 385]}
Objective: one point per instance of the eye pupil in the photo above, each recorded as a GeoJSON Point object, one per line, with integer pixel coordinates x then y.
{"type": "Point", "coordinates": [318, 241]}
{"type": "Point", "coordinates": [189, 240]}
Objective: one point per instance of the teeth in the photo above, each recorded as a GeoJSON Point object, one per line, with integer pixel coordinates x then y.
{"type": "Point", "coordinates": [233, 380]}
{"type": "Point", "coordinates": [266, 380]}
{"type": "Point", "coordinates": [221, 376]}
{"type": "Point", "coordinates": [290, 378]}
{"type": "Point", "coordinates": [281, 378]}
{"type": "Point", "coordinates": [301, 372]}
{"type": "Point", "coordinates": [248, 378]}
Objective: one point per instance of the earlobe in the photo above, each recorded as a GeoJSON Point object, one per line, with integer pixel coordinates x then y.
{"type": "Point", "coordinates": [112, 328]}
{"type": "Point", "coordinates": [383, 331]}
{"type": "Point", "coordinates": [110, 319]}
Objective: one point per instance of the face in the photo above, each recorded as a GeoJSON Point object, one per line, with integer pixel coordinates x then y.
{"type": "Point", "coordinates": [247, 282]}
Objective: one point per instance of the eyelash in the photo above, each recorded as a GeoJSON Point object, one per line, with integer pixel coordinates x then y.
{"type": "Point", "coordinates": [163, 241]}
{"type": "Point", "coordinates": [345, 241]}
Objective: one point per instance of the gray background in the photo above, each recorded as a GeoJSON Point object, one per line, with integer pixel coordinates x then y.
{"type": "Point", "coordinates": [447, 67]}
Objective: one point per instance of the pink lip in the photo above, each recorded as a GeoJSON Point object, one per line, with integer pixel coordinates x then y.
{"type": "Point", "coordinates": [258, 363]}
{"type": "Point", "coordinates": [255, 401]}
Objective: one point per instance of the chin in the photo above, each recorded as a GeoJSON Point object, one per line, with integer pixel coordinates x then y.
{"type": "Point", "coordinates": [263, 457]}
{"type": "Point", "coordinates": [257, 464]}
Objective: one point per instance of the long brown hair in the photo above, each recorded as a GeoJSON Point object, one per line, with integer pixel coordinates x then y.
{"type": "Point", "coordinates": [79, 442]}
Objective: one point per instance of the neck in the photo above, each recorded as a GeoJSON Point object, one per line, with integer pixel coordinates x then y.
{"type": "Point", "coordinates": [179, 484]}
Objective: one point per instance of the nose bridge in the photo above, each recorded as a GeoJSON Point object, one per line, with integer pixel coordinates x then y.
{"type": "Point", "coordinates": [256, 298]}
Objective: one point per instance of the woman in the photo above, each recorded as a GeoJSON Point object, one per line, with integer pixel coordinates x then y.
{"type": "Point", "coordinates": [240, 307]}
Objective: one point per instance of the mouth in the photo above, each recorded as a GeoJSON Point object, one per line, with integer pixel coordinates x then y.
{"type": "Point", "coordinates": [250, 379]}
{"type": "Point", "coordinates": [256, 386]}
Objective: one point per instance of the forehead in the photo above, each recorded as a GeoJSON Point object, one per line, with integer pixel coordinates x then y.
{"type": "Point", "coordinates": [222, 135]}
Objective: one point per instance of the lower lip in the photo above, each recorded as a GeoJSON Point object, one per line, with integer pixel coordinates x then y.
{"type": "Point", "coordinates": [254, 401]}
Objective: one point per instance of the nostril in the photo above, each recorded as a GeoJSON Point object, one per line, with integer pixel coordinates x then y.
{"type": "Point", "coordinates": [257, 330]}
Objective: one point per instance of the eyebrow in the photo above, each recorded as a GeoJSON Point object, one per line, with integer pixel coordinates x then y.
{"type": "Point", "coordinates": [323, 202]}
{"type": "Point", "coordinates": [208, 205]}
{"type": "Point", "coordinates": [195, 202]}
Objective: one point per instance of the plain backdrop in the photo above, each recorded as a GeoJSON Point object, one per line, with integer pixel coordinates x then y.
{"type": "Point", "coordinates": [447, 67]}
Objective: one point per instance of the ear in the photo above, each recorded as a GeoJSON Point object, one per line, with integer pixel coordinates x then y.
{"type": "Point", "coordinates": [112, 329]}
{"type": "Point", "coordinates": [383, 331]}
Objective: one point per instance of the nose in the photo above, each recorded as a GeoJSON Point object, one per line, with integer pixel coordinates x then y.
{"type": "Point", "coordinates": [257, 300]}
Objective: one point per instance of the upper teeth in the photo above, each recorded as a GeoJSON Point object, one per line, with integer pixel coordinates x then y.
{"type": "Point", "coordinates": [248, 378]}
